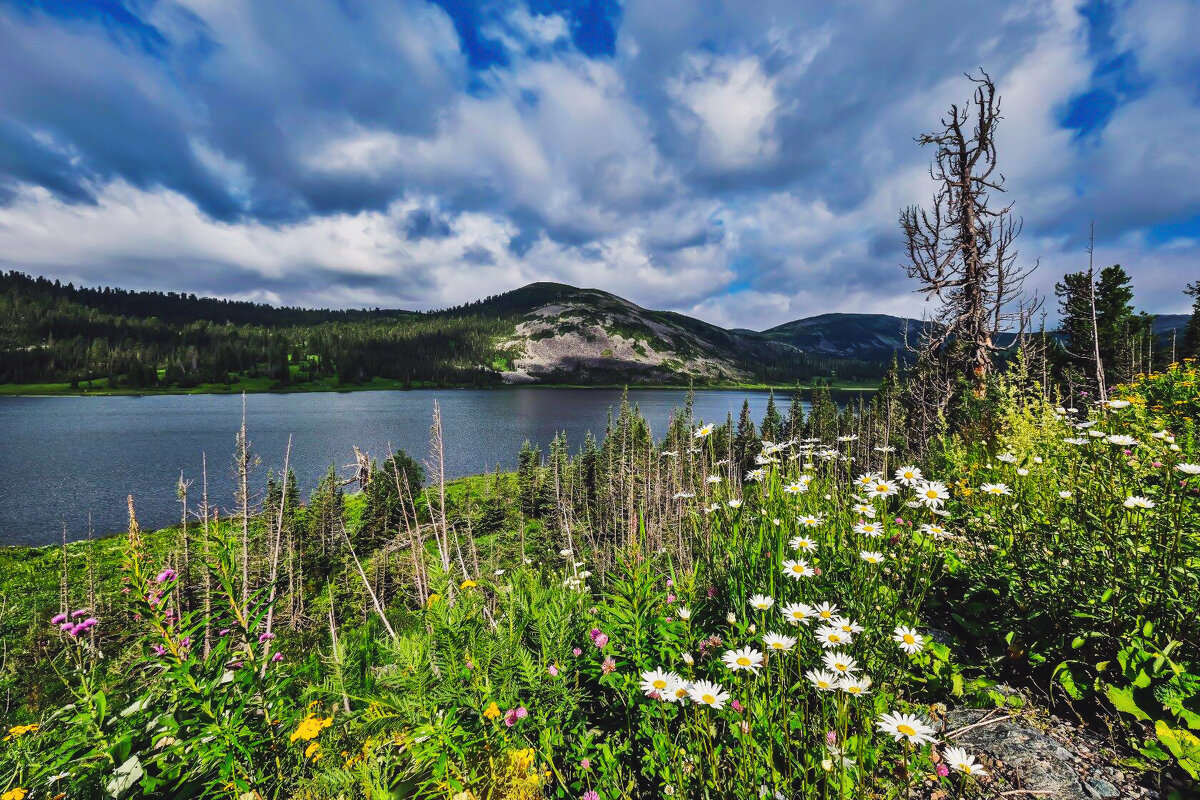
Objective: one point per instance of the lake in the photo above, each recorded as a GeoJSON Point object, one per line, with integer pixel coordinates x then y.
{"type": "Point", "coordinates": [65, 457]}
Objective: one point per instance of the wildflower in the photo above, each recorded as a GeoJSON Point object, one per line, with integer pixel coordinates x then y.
{"type": "Point", "coordinates": [811, 521]}
{"type": "Point", "coordinates": [755, 475]}
{"type": "Point", "coordinates": [277, 657]}
{"type": "Point", "coordinates": [855, 687]}
{"type": "Point", "coordinates": [936, 531]}
{"type": "Point", "coordinates": [961, 760]}
{"type": "Point", "coordinates": [747, 658]}
{"type": "Point", "coordinates": [827, 611]}
{"type": "Point", "coordinates": [775, 641]}
{"type": "Point", "coordinates": [1007, 458]}
{"type": "Point", "coordinates": [906, 726]}
{"type": "Point", "coordinates": [871, 557]}
{"type": "Point", "coordinates": [1022, 472]}
{"type": "Point", "coordinates": [657, 682]}
{"type": "Point", "coordinates": [566, 552]}
{"type": "Point", "coordinates": [17, 731]}
{"type": "Point", "coordinates": [708, 694]}
{"type": "Point", "coordinates": [164, 576]}
{"type": "Point", "coordinates": [735, 503]}
{"type": "Point", "coordinates": [609, 665]}
{"type": "Point", "coordinates": [868, 529]}
{"type": "Point", "coordinates": [702, 431]}
{"type": "Point", "coordinates": [265, 637]}
{"type": "Point", "coordinates": [552, 670]}
{"type": "Point", "coordinates": [731, 618]}
{"type": "Point", "coordinates": [941, 770]}
{"type": "Point", "coordinates": [839, 662]}
{"type": "Point", "coordinates": [883, 489]}
{"type": "Point", "coordinates": [492, 711]}
{"type": "Point", "coordinates": [684, 613]}
{"type": "Point", "coordinates": [15, 793]}
{"type": "Point", "coordinates": [684, 495]}
{"type": "Point", "coordinates": [804, 544]}
{"type": "Point", "coordinates": [863, 509]}
{"type": "Point", "coordinates": [590, 794]}
{"type": "Point", "coordinates": [908, 475]}
{"type": "Point", "coordinates": [1137, 501]}
{"type": "Point", "coordinates": [867, 479]}
{"type": "Point", "coordinates": [310, 728]}
{"type": "Point", "coordinates": [1117, 404]}
{"type": "Point", "coordinates": [847, 625]}
{"type": "Point", "coordinates": [58, 619]}
{"type": "Point", "coordinates": [995, 489]}
{"type": "Point", "coordinates": [798, 613]}
{"type": "Point", "coordinates": [1122, 440]}
{"type": "Point", "coordinates": [909, 640]}
{"type": "Point", "coordinates": [762, 602]}
{"type": "Point", "coordinates": [1065, 495]}
{"type": "Point", "coordinates": [796, 487]}
{"type": "Point", "coordinates": [824, 680]}
{"type": "Point", "coordinates": [829, 636]}
{"type": "Point", "coordinates": [713, 479]}
{"type": "Point", "coordinates": [575, 651]}
{"type": "Point", "coordinates": [1188, 469]}
{"type": "Point", "coordinates": [797, 569]}
{"type": "Point", "coordinates": [585, 763]}
{"type": "Point", "coordinates": [498, 573]}
{"type": "Point", "coordinates": [468, 584]}
{"type": "Point", "coordinates": [1075, 440]}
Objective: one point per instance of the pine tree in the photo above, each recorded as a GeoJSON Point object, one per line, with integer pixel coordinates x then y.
{"type": "Point", "coordinates": [795, 418]}
{"type": "Point", "coordinates": [745, 440]}
{"type": "Point", "coordinates": [1116, 322]}
{"type": "Point", "coordinates": [1191, 339]}
{"type": "Point", "coordinates": [772, 424]}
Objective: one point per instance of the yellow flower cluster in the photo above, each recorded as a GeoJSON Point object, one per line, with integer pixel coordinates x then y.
{"type": "Point", "coordinates": [310, 728]}
{"type": "Point", "coordinates": [492, 711]}
{"type": "Point", "coordinates": [519, 777]}
{"type": "Point", "coordinates": [16, 793]}
{"type": "Point", "coordinates": [20, 730]}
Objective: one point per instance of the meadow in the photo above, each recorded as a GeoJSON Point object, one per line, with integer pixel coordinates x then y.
{"type": "Point", "coordinates": [786, 610]}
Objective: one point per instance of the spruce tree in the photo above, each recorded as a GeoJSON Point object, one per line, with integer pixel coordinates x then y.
{"type": "Point", "coordinates": [1191, 339]}
{"type": "Point", "coordinates": [772, 424]}
{"type": "Point", "coordinates": [744, 440]}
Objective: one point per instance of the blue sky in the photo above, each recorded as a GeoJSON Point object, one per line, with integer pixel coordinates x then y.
{"type": "Point", "coordinates": [742, 162]}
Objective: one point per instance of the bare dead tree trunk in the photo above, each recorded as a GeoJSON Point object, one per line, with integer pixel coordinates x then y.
{"type": "Point", "coordinates": [273, 582]}
{"type": "Point", "coordinates": [1100, 387]}
{"type": "Point", "coordinates": [243, 464]}
{"type": "Point", "coordinates": [205, 556]}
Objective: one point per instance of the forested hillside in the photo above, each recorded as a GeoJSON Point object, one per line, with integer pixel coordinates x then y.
{"type": "Point", "coordinates": [111, 339]}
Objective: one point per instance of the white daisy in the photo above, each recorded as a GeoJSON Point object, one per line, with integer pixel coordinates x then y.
{"type": "Point", "coordinates": [1188, 469]}
{"type": "Point", "coordinates": [906, 726]}
{"type": "Point", "coordinates": [1122, 440]}
{"type": "Point", "coordinates": [775, 641]}
{"type": "Point", "coordinates": [932, 493]}
{"type": "Point", "coordinates": [909, 640]}
{"type": "Point", "coordinates": [839, 662]}
{"type": "Point", "coordinates": [762, 602]}
{"type": "Point", "coordinates": [831, 637]}
{"type": "Point", "coordinates": [883, 489]}
{"type": "Point", "coordinates": [702, 431]}
{"type": "Point", "coordinates": [908, 475]}
{"type": "Point", "coordinates": [811, 520]}
{"type": "Point", "coordinates": [995, 489]}
{"type": "Point", "coordinates": [871, 557]}
{"type": "Point", "coordinates": [1137, 501]}
{"type": "Point", "coordinates": [872, 529]}
{"type": "Point", "coordinates": [656, 683]}
{"type": "Point", "coordinates": [707, 693]}
{"type": "Point", "coordinates": [855, 687]}
{"type": "Point", "coordinates": [827, 611]}
{"type": "Point", "coordinates": [747, 658]}
{"type": "Point", "coordinates": [798, 613]}
{"type": "Point", "coordinates": [825, 680]}
{"type": "Point", "coordinates": [934, 530]}
{"type": "Point", "coordinates": [804, 544]}
{"type": "Point", "coordinates": [959, 759]}
{"type": "Point", "coordinates": [797, 569]}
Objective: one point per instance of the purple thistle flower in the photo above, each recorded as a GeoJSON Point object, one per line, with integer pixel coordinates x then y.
{"type": "Point", "coordinates": [58, 619]}
{"type": "Point", "coordinates": [167, 574]}
{"type": "Point", "coordinates": [159, 650]}
{"type": "Point", "coordinates": [265, 637]}
{"type": "Point", "coordinates": [77, 614]}
{"type": "Point", "coordinates": [277, 657]}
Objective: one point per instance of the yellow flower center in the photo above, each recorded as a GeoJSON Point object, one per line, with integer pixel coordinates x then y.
{"type": "Point", "coordinates": [709, 699]}
{"type": "Point", "coordinates": [660, 684]}
{"type": "Point", "coordinates": [908, 639]}
{"type": "Point", "coordinates": [743, 662]}
{"type": "Point", "coordinates": [777, 645]}
{"type": "Point", "coordinates": [852, 690]}
{"type": "Point", "coordinates": [907, 730]}
{"type": "Point", "coordinates": [931, 494]}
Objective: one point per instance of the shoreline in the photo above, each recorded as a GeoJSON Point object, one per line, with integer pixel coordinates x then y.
{"type": "Point", "coordinates": [28, 390]}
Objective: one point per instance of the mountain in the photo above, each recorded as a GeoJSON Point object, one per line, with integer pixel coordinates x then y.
{"type": "Point", "coordinates": [869, 337]}
{"type": "Point", "coordinates": [562, 334]}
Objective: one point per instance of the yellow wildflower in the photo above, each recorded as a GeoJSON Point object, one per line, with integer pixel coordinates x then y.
{"type": "Point", "coordinates": [15, 793]}
{"type": "Point", "coordinates": [312, 748]}
{"type": "Point", "coordinates": [433, 598]}
{"type": "Point", "coordinates": [492, 710]}
{"type": "Point", "coordinates": [310, 728]}
{"type": "Point", "coordinates": [20, 730]}
{"type": "Point", "coordinates": [468, 584]}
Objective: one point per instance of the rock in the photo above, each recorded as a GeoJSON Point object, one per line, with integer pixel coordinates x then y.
{"type": "Point", "coordinates": [1032, 760]}
{"type": "Point", "coordinates": [1100, 788]}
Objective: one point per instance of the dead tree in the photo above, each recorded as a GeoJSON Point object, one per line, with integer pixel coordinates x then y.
{"type": "Point", "coordinates": [961, 248]}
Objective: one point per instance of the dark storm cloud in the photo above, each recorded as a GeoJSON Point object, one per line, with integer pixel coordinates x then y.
{"type": "Point", "coordinates": [746, 163]}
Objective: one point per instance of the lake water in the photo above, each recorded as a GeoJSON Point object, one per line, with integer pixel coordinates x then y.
{"type": "Point", "coordinates": [62, 458]}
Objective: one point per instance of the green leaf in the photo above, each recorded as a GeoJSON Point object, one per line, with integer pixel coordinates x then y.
{"type": "Point", "coordinates": [124, 778]}
{"type": "Point", "coordinates": [1122, 700]}
{"type": "Point", "coordinates": [1182, 744]}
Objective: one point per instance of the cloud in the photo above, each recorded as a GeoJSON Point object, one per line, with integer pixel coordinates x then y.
{"type": "Point", "coordinates": [744, 164]}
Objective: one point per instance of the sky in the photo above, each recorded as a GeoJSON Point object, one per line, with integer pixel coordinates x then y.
{"type": "Point", "coordinates": [743, 162]}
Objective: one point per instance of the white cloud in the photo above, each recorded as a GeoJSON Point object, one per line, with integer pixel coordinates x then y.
{"type": "Point", "coordinates": [729, 107]}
